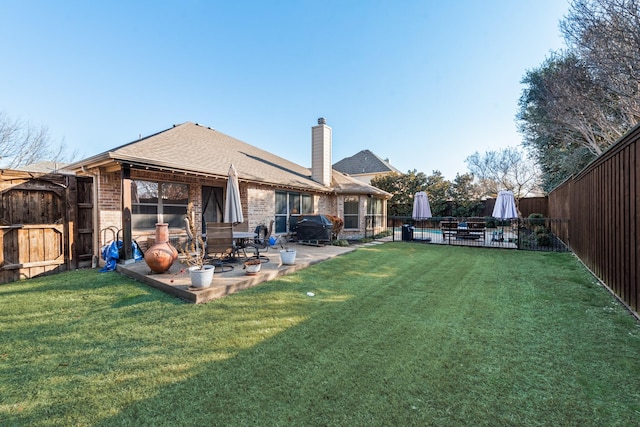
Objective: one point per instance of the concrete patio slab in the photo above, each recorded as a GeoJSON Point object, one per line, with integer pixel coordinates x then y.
{"type": "Point", "coordinates": [176, 280]}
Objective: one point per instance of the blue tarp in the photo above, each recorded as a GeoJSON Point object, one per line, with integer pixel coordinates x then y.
{"type": "Point", "coordinates": [111, 254]}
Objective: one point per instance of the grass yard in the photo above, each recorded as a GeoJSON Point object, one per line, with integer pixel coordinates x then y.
{"type": "Point", "coordinates": [396, 335]}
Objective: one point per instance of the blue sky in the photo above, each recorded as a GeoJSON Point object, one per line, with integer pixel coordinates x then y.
{"type": "Point", "coordinates": [422, 83]}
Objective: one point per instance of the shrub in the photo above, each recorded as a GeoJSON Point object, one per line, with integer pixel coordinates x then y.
{"type": "Point", "coordinates": [338, 224]}
{"type": "Point", "coordinates": [536, 219]}
{"type": "Point", "coordinates": [544, 239]}
{"type": "Point", "coordinates": [491, 221]}
{"type": "Point", "coordinates": [540, 230]}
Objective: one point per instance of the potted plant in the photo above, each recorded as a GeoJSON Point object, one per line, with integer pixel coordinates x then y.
{"type": "Point", "coordinates": [252, 266]}
{"type": "Point", "coordinates": [193, 253]}
{"type": "Point", "coordinates": [287, 256]}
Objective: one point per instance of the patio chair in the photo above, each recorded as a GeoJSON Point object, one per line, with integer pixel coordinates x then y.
{"type": "Point", "coordinates": [220, 247]}
{"type": "Point", "coordinates": [261, 242]}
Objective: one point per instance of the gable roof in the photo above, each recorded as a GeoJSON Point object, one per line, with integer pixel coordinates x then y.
{"type": "Point", "coordinates": [45, 166]}
{"type": "Point", "coordinates": [364, 162]}
{"type": "Point", "coordinates": [194, 149]}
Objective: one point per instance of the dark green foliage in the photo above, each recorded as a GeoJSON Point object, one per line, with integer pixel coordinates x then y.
{"type": "Point", "coordinates": [543, 239]}
{"type": "Point", "coordinates": [536, 219]}
{"type": "Point", "coordinates": [403, 187]}
{"type": "Point", "coordinates": [540, 229]}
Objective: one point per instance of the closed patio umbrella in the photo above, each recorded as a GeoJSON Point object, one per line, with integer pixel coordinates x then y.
{"type": "Point", "coordinates": [421, 211]}
{"type": "Point", "coordinates": [232, 204]}
{"type": "Point", "coordinates": [421, 208]}
{"type": "Point", "coordinates": [505, 208]}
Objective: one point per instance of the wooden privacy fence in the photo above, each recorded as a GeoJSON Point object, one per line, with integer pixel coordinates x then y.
{"type": "Point", "coordinates": [45, 224]}
{"type": "Point", "coordinates": [603, 205]}
{"type": "Point", "coordinates": [31, 250]}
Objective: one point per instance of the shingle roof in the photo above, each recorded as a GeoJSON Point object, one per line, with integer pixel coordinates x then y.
{"type": "Point", "coordinates": [46, 166]}
{"type": "Point", "coordinates": [364, 162]}
{"type": "Point", "coordinates": [192, 148]}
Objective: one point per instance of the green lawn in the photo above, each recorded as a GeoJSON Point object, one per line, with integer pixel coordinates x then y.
{"type": "Point", "coordinates": [396, 335]}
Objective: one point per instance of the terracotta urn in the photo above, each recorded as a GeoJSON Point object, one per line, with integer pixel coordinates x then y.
{"type": "Point", "coordinates": [161, 255]}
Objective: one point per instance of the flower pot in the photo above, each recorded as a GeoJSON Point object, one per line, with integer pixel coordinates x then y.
{"type": "Point", "coordinates": [288, 257]}
{"type": "Point", "coordinates": [252, 267]}
{"type": "Point", "coordinates": [161, 255]}
{"type": "Point", "coordinates": [201, 278]}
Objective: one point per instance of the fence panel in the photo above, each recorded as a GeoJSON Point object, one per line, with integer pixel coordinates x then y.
{"type": "Point", "coordinates": [30, 250]}
{"type": "Point", "coordinates": [533, 234]}
{"type": "Point", "coordinates": [602, 202]}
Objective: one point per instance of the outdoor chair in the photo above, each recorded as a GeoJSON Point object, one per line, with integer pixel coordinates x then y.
{"type": "Point", "coordinates": [220, 246]}
{"type": "Point", "coordinates": [261, 242]}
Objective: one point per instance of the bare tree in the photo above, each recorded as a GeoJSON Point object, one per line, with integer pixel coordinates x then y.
{"type": "Point", "coordinates": [22, 143]}
{"type": "Point", "coordinates": [508, 169]}
{"type": "Point", "coordinates": [605, 34]}
{"type": "Point", "coordinates": [582, 100]}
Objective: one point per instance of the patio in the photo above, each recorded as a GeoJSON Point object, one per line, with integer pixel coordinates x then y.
{"type": "Point", "coordinates": [176, 280]}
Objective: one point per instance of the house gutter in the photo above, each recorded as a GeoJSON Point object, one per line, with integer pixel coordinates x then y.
{"type": "Point", "coordinates": [96, 233]}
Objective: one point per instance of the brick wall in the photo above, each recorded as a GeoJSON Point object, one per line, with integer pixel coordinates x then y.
{"type": "Point", "coordinates": [109, 205]}
{"type": "Point", "coordinates": [258, 203]}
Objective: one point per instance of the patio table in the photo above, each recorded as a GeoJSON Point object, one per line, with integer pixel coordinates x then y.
{"type": "Point", "coordinates": [242, 238]}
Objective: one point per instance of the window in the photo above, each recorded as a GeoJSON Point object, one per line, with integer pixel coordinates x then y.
{"type": "Point", "coordinates": [291, 205]}
{"type": "Point", "coordinates": [153, 202]}
{"type": "Point", "coordinates": [374, 213]}
{"type": "Point", "coordinates": [351, 212]}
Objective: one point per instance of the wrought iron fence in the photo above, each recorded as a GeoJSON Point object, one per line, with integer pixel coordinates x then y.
{"type": "Point", "coordinates": [533, 234]}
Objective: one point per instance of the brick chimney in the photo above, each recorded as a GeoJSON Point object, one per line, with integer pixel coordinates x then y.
{"type": "Point", "coordinates": [321, 153]}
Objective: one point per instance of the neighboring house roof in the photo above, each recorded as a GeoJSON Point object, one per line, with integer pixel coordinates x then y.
{"type": "Point", "coordinates": [364, 162]}
{"type": "Point", "coordinates": [345, 184]}
{"type": "Point", "coordinates": [200, 150]}
{"type": "Point", "coordinates": [43, 167]}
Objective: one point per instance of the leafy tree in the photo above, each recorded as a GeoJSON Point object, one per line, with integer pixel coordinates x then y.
{"type": "Point", "coordinates": [506, 169]}
{"type": "Point", "coordinates": [437, 189]}
{"type": "Point", "coordinates": [464, 196]}
{"type": "Point", "coordinates": [605, 34]}
{"type": "Point", "coordinates": [403, 187]}
{"type": "Point", "coordinates": [22, 143]}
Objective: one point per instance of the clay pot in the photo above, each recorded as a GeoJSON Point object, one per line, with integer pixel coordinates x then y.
{"type": "Point", "coordinates": [161, 255]}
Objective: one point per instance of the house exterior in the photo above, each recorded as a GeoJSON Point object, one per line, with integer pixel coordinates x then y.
{"type": "Point", "coordinates": [154, 180]}
{"type": "Point", "coordinates": [365, 166]}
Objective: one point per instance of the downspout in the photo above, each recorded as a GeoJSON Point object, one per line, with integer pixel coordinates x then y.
{"type": "Point", "coordinates": [96, 230]}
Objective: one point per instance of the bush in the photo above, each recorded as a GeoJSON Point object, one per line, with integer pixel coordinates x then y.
{"type": "Point", "coordinates": [338, 224]}
{"type": "Point", "coordinates": [536, 219]}
{"type": "Point", "coordinates": [540, 230]}
{"type": "Point", "coordinates": [544, 239]}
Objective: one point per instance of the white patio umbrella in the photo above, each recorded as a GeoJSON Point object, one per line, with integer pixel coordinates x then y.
{"type": "Point", "coordinates": [232, 204]}
{"type": "Point", "coordinates": [421, 208]}
{"type": "Point", "coordinates": [505, 208]}
{"type": "Point", "coordinates": [421, 211]}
